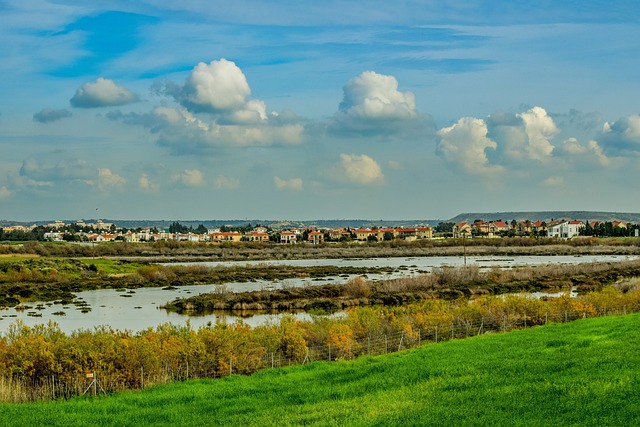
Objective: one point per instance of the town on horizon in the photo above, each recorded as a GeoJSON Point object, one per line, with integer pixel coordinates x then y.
{"type": "Point", "coordinates": [100, 231]}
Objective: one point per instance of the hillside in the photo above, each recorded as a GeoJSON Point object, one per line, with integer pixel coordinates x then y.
{"type": "Point", "coordinates": [581, 373]}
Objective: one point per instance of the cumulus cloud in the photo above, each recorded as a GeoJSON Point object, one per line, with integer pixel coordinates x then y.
{"type": "Point", "coordinates": [554, 181]}
{"type": "Point", "coordinates": [540, 128]}
{"type": "Point", "coordinates": [49, 115]}
{"type": "Point", "coordinates": [372, 102]}
{"type": "Point", "coordinates": [464, 145]}
{"type": "Point", "coordinates": [185, 133]}
{"type": "Point", "coordinates": [589, 155]}
{"type": "Point", "coordinates": [189, 178]}
{"type": "Point", "coordinates": [5, 193]}
{"type": "Point", "coordinates": [287, 184]}
{"type": "Point", "coordinates": [63, 170]}
{"type": "Point", "coordinates": [375, 96]}
{"type": "Point", "coordinates": [145, 183]}
{"type": "Point", "coordinates": [219, 86]}
{"type": "Point", "coordinates": [523, 137]}
{"type": "Point", "coordinates": [108, 180]}
{"type": "Point", "coordinates": [214, 113]}
{"type": "Point", "coordinates": [360, 169]}
{"type": "Point", "coordinates": [622, 137]}
{"type": "Point", "coordinates": [102, 93]}
{"type": "Point", "coordinates": [226, 183]}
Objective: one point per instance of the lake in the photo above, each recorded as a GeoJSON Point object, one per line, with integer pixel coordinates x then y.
{"type": "Point", "coordinates": [139, 309]}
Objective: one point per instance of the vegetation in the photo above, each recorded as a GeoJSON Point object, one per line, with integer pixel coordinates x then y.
{"type": "Point", "coordinates": [583, 373]}
{"type": "Point", "coordinates": [447, 283]}
{"type": "Point", "coordinates": [164, 251]}
{"type": "Point", "coordinates": [39, 363]}
{"type": "Point", "coordinates": [49, 279]}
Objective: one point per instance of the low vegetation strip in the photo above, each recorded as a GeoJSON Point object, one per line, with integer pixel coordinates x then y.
{"type": "Point", "coordinates": [447, 283]}
{"type": "Point", "coordinates": [576, 374]}
{"type": "Point", "coordinates": [164, 251]}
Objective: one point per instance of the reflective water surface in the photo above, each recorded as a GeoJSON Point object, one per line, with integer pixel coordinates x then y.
{"type": "Point", "coordinates": [140, 309]}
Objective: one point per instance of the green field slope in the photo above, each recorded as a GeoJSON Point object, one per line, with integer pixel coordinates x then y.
{"type": "Point", "coordinates": [585, 373]}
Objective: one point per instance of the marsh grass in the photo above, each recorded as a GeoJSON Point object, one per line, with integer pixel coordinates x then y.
{"type": "Point", "coordinates": [581, 373]}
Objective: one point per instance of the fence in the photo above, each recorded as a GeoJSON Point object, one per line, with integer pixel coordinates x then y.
{"type": "Point", "coordinates": [210, 366]}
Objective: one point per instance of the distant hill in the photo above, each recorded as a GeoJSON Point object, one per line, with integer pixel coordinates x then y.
{"type": "Point", "coordinates": [548, 215]}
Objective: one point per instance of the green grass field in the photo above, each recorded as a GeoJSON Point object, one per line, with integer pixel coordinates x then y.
{"type": "Point", "coordinates": [585, 373]}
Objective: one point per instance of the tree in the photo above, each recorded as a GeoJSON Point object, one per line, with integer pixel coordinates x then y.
{"type": "Point", "coordinates": [444, 227]}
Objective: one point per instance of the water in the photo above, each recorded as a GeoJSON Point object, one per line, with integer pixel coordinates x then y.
{"type": "Point", "coordinates": [140, 309]}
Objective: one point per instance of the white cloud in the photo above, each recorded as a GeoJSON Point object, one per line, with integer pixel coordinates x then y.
{"type": "Point", "coordinates": [287, 184]}
{"type": "Point", "coordinates": [189, 178]}
{"type": "Point", "coordinates": [49, 115]}
{"type": "Point", "coordinates": [464, 145]}
{"type": "Point", "coordinates": [219, 86]}
{"type": "Point", "coordinates": [185, 133]}
{"type": "Point", "coordinates": [582, 156]}
{"type": "Point", "coordinates": [360, 169]}
{"type": "Point", "coordinates": [108, 180]}
{"type": "Point", "coordinates": [572, 146]}
{"type": "Point", "coordinates": [102, 93]}
{"type": "Point", "coordinates": [145, 183]}
{"type": "Point", "coordinates": [554, 181]}
{"type": "Point", "coordinates": [621, 137]}
{"type": "Point", "coordinates": [540, 128]}
{"type": "Point", "coordinates": [226, 183]}
{"type": "Point", "coordinates": [394, 164]}
{"type": "Point", "coordinates": [523, 137]}
{"type": "Point", "coordinates": [5, 193]}
{"type": "Point", "coordinates": [63, 170]}
{"type": "Point", "coordinates": [373, 103]}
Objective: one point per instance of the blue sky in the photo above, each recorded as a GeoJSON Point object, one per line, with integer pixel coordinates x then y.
{"type": "Point", "coordinates": [317, 110]}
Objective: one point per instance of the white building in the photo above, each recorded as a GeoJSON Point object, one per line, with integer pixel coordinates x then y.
{"type": "Point", "coordinates": [565, 229]}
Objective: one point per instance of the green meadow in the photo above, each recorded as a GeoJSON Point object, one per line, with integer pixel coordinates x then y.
{"type": "Point", "coordinates": [584, 373]}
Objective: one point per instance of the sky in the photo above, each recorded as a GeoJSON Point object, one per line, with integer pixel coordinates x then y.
{"type": "Point", "coordinates": [301, 110]}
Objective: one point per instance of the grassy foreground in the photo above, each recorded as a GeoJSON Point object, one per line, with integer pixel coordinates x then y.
{"type": "Point", "coordinates": [583, 373]}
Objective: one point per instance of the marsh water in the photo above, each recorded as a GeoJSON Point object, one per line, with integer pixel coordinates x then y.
{"type": "Point", "coordinates": [139, 309]}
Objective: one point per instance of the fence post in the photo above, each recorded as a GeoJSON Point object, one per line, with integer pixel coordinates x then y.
{"type": "Point", "coordinates": [386, 344]}
{"type": "Point", "coordinates": [452, 326]}
{"type": "Point", "coordinates": [53, 386]}
{"type": "Point", "coordinates": [546, 317]}
{"type": "Point", "coordinates": [231, 366]}
{"type": "Point", "coordinates": [436, 335]}
{"type": "Point", "coordinates": [419, 338]}
{"type": "Point", "coordinates": [369, 344]}
{"type": "Point", "coordinates": [142, 377]}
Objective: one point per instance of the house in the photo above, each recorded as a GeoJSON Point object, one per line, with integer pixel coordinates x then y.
{"type": "Point", "coordinates": [565, 229]}
{"type": "Point", "coordinates": [408, 234]}
{"type": "Point", "coordinates": [225, 236]}
{"type": "Point", "coordinates": [424, 233]}
{"type": "Point", "coordinates": [256, 236]}
{"type": "Point", "coordinates": [288, 237]}
{"type": "Point", "coordinates": [316, 237]}
{"type": "Point", "coordinates": [338, 233]}
{"type": "Point", "coordinates": [461, 229]}
{"type": "Point", "coordinates": [364, 234]}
